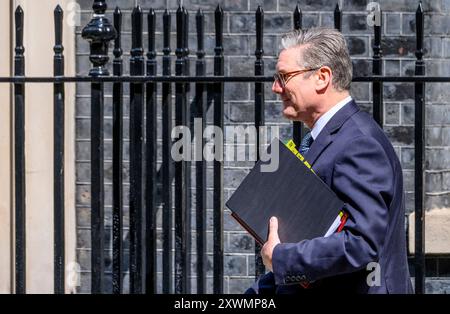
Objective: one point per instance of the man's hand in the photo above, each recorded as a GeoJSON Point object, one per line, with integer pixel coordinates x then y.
{"type": "Point", "coordinates": [272, 241]}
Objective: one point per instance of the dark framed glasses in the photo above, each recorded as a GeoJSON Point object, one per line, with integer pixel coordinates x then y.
{"type": "Point", "coordinates": [283, 78]}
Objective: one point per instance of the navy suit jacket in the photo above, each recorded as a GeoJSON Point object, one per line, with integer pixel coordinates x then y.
{"type": "Point", "coordinates": [353, 156]}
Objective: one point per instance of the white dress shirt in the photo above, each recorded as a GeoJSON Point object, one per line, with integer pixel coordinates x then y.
{"type": "Point", "coordinates": [323, 120]}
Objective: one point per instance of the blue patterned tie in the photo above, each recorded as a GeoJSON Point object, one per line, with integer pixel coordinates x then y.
{"type": "Point", "coordinates": [306, 143]}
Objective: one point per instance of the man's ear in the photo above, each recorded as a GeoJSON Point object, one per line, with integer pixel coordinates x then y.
{"type": "Point", "coordinates": [324, 77]}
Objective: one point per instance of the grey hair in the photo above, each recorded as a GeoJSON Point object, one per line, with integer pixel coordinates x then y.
{"type": "Point", "coordinates": [323, 47]}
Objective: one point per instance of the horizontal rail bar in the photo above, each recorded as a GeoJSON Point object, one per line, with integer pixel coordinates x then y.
{"type": "Point", "coordinates": [206, 79]}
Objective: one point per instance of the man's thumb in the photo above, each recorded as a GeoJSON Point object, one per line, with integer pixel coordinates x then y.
{"type": "Point", "coordinates": [273, 229]}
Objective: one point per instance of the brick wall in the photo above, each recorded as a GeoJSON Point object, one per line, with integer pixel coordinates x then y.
{"type": "Point", "coordinates": [398, 44]}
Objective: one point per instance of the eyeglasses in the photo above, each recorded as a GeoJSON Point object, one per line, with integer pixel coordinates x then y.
{"type": "Point", "coordinates": [283, 78]}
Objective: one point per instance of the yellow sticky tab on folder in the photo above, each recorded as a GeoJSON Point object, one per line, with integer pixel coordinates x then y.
{"type": "Point", "coordinates": [291, 146]}
{"type": "Point", "coordinates": [300, 156]}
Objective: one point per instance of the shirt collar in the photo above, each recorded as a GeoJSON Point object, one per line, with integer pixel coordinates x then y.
{"type": "Point", "coordinates": [323, 120]}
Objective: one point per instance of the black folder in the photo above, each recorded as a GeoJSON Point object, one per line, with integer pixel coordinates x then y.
{"type": "Point", "coordinates": [305, 206]}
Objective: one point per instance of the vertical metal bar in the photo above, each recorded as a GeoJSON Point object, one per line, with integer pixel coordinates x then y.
{"type": "Point", "coordinates": [259, 112]}
{"type": "Point", "coordinates": [180, 201]}
{"type": "Point", "coordinates": [117, 281]}
{"type": "Point", "coordinates": [19, 156]}
{"type": "Point", "coordinates": [419, 148]}
{"type": "Point", "coordinates": [180, 166]}
{"type": "Point", "coordinates": [186, 48]}
{"type": "Point", "coordinates": [58, 161]}
{"type": "Point", "coordinates": [98, 32]}
{"type": "Point", "coordinates": [187, 177]}
{"type": "Point", "coordinates": [136, 157]}
{"type": "Point", "coordinates": [377, 69]}
{"type": "Point", "coordinates": [218, 162]}
{"type": "Point", "coordinates": [338, 18]}
{"type": "Point", "coordinates": [297, 126]}
{"type": "Point", "coordinates": [167, 160]}
{"type": "Point", "coordinates": [97, 190]}
{"type": "Point", "coordinates": [151, 146]}
{"type": "Point", "coordinates": [200, 166]}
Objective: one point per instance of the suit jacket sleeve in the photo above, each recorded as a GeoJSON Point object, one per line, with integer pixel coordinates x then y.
{"type": "Point", "coordinates": [362, 178]}
{"type": "Point", "coordinates": [264, 285]}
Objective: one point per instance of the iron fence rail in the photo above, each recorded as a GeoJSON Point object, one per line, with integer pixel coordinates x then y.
{"type": "Point", "coordinates": [208, 79]}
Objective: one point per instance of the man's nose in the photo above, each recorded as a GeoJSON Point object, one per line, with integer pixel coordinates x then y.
{"type": "Point", "coordinates": [276, 87]}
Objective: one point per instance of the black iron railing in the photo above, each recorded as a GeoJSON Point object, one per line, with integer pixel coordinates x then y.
{"type": "Point", "coordinates": [208, 91]}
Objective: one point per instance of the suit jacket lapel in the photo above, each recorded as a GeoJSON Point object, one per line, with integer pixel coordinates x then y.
{"type": "Point", "coordinates": [325, 137]}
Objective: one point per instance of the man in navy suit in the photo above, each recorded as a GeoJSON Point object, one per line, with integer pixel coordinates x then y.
{"type": "Point", "coordinates": [352, 155]}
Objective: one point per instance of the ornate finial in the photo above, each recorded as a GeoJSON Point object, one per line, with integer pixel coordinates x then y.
{"type": "Point", "coordinates": [118, 26]}
{"type": "Point", "coordinates": [137, 49]}
{"type": "Point", "coordinates": [337, 17]}
{"type": "Point", "coordinates": [218, 14]}
{"type": "Point", "coordinates": [99, 6]}
{"type": "Point", "coordinates": [19, 31]}
{"type": "Point", "coordinates": [219, 9]}
{"type": "Point", "coordinates": [200, 24]}
{"type": "Point", "coordinates": [99, 32]}
{"type": "Point", "coordinates": [419, 31]}
{"type": "Point", "coordinates": [186, 33]}
{"type": "Point", "coordinates": [58, 17]}
{"type": "Point", "coordinates": [297, 17]}
{"type": "Point", "coordinates": [259, 32]}
{"type": "Point", "coordinates": [151, 24]}
{"type": "Point", "coordinates": [166, 32]}
{"type": "Point", "coordinates": [180, 31]}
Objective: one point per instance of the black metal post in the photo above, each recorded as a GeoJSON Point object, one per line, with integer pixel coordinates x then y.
{"type": "Point", "coordinates": [218, 162]}
{"type": "Point", "coordinates": [117, 281]}
{"type": "Point", "coordinates": [298, 129]}
{"type": "Point", "coordinates": [259, 112]}
{"type": "Point", "coordinates": [58, 157]}
{"type": "Point", "coordinates": [419, 163]}
{"type": "Point", "coordinates": [186, 50]}
{"type": "Point", "coordinates": [19, 156]}
{"type": "Point", "coordinates": [200, 165]}
{"type": "Point", "coordinates": [377, 69]}
{"type": "Point", "coordinates": [167, 192]}
{"type": "Point", "coordinates": [188, 169]}
{"type": "Point", "coordinates": [150, 166]}
{"type": "Point", "coordinates": [137, 214]}
{"type": "Point", "coordinates": [181, 206]}
{"type": "Point", "coordinates": [98, 32]}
